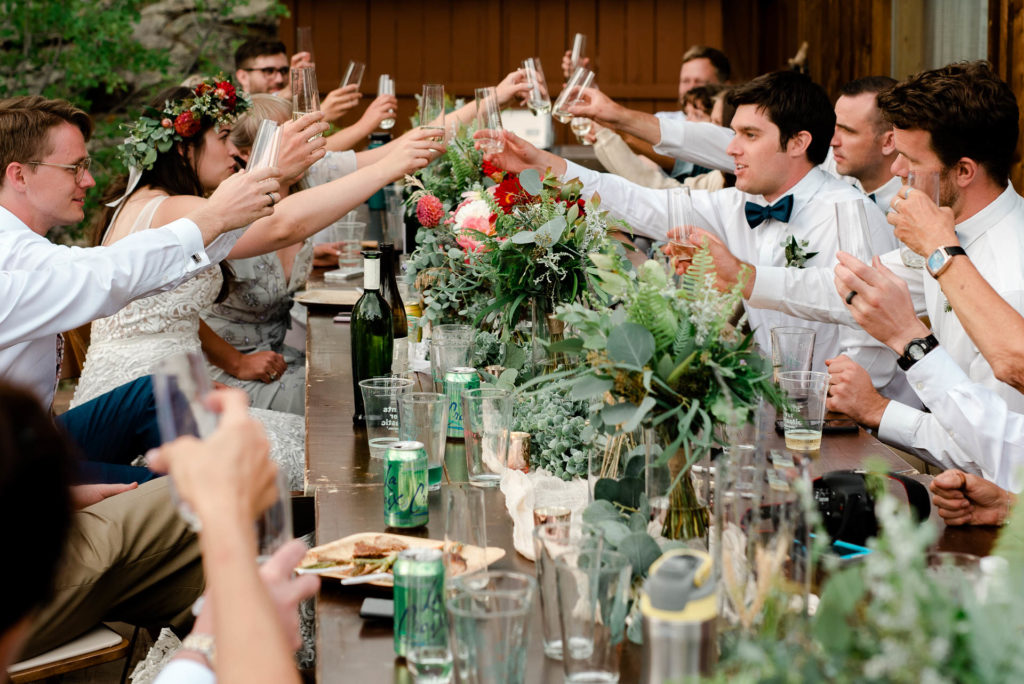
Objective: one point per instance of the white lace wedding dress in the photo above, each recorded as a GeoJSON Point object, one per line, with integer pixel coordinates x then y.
{"type": "Point", "coordinates": [130, 344]}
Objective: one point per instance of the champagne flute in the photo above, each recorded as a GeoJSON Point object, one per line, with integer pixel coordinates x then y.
{"type": "Point", "coordinates": [386, 86]}
{"type": "Point", "coordinates": [928, 183]}
{"type": "Point", "coordinates": [581, 79]}
{"type": "Point", "coordinates": [680, 220]}
{"type": "Point", "coordinates": [432, 109]}
{"type": "Point", "coordinates": [180, 388]}
{"type": "Point", "coordinates": [266, 147]}
{"type": "Point", "coordinates": [488, 119]}
{"type": "Point", "coordinates": [852, 224]}
{"type": "Point", "coordinates": [305, 94]}
{"type": "Point", "coordinates": [353, 74]}
{"type": "Point", "coordinates": [539, 100]}
{"type": "Point", "coordinates": [304, 41]}
{"type": "Point", "coordinates": [579, 50]}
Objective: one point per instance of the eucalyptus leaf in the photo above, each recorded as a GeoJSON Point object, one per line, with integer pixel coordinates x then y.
{"type": "Point", "coordinates": [590, 386]}
{"type": "Point", "coordinates": [641, 550]}
{"type": "Point", "coordinates": [638, 416]}
{"type": "Point", "coordinates": [507, 379]}
{"type": "Point", "coordinates": [523, 237]}
{"type": "Point", "coordinates": [638, 522]}
{"type": "Point", "coordinates": [530, 180]}
{"type": "Point", "coordinates": [570, 345]}
{"type": "Point", "coordinates": [550, 231]}
{"type": "Point", "coordinates": [614, 531]}
{"type": "Point", "coordinates": [615, 414]}
{"type": "Point", "coordinates": [600, 510]}
{"type": "Point", "coordinates": [635, 466]}
{"type": "Point", "coordinates": [631, 343]}
{"type": "Point", "coordinates": [606, 489]}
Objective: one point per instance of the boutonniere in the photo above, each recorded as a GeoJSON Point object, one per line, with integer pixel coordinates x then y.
{"type": "Point", "coordinates": [796, 252]}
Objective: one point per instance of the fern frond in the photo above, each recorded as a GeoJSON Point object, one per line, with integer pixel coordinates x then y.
{"type": "Point", "coordinates": [651, 310]}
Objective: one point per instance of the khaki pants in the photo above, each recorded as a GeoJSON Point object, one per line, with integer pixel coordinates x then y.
{"type": "Point", "coordinates": [130, 558]}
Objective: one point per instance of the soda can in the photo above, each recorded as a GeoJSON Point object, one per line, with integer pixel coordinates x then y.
{"type": "Point", "coordinates": [405, 485]}
{"type": "Point", "coordinates": [456, 380]}
{"type": "Point", "coordinates": [419, 587]}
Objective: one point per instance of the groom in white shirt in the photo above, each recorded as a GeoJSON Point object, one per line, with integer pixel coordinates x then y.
{"type": "Point", "coordinates": [783, 125]}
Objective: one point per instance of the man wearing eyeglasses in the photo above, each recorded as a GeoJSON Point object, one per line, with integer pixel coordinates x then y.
{"type": "Point", "coordinates": [261, 66]}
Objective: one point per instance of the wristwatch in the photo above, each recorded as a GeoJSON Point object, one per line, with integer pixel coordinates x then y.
{"type": "Point", "coordinates": [941, 258]}
{"type": "Point", "coordinates": [916, 350]}
{"type": "Point", "coordinates": [203, 644]}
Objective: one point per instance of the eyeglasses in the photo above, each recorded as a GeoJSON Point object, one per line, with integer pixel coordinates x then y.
{"type": "Point", "coordinates": [80, 168]}
{"type": "Point", "coordinates": [270, 71]}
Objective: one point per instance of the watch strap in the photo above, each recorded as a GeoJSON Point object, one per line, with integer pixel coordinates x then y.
{"type": "Point", "coordinates": [905, 361]}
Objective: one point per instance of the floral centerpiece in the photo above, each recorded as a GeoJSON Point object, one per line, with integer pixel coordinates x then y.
{"type": "Point", "coordinates": [667, 359]}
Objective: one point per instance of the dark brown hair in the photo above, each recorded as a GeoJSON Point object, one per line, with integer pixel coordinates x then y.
{"type": "Point", "coordinates": [794, 103]}
{"type": "Point", "coordinates": [36, 472]}
{"type": "Point", "coordinates": [968, 110]}
{"type": "Point", "coordinates": [257, 47]}
{"type": "Point", "coordinates": [25, 125]}
{"type": "Point", "coordinates": [703, 97]}
{"type": "Point", "coordinates": [717, 58]}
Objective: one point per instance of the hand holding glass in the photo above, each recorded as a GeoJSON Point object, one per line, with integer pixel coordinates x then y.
{"type": "Point", "coordinates": [581, 79]}
{"type": "Point", "coordinates": [928, 183]}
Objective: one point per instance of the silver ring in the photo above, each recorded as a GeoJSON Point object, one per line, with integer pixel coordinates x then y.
{"type": "Point", "coordinates": [271, 196]}
{"type": "Point", "coordinates": [850, 295]}
{"type": "Point", "coordinates": [896, 203]}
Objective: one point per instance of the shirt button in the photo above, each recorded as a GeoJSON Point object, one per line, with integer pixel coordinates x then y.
{"type": "Point", "coordinates": [919, 385]}
{"type": "Point", "coordinates": [197, 259]}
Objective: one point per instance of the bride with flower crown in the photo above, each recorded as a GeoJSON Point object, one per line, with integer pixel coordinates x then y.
{"type": "Point", "coordinates": [183, 153]}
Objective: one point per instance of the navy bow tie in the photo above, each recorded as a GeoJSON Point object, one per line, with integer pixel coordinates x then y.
{"type": "Point", "coordinates": [872, 197]}
{"type": "Point", "coordinates": [780, 211]}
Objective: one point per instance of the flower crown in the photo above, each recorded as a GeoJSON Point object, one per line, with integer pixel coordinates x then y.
{"type": "Point", "coordinates": [215, 100]}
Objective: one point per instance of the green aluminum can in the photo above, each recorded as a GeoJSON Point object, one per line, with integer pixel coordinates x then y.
{"type": "Point", "coordinates": [405, 485]}
{"type": "Point", "coordinates": [419, 587]}
{"type": "Point", "coordinates": [456, 380]}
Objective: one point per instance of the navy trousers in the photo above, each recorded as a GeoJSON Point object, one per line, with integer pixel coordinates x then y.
{"type": "Point", "coordinates": [111, 430]}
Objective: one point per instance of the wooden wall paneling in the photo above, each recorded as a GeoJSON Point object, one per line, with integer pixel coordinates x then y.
{"type": "Point", "coordinates": [518, 33]}
{"type": "Point", "coordinates": [908, 45]}
{"type": "Point", "coordinates": [1006, 52]}
{"type": "Point", "coordinates": [639, 43]}
{"type": "Point", "coordinates": [881, 37]}
{"type": "Point", "coordinates": [669, 25]}
{"type": "Point", "coordinates": [741, 37]}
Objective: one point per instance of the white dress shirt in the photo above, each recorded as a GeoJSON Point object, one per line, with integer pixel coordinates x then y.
{"type": "Point", "coordinates": [813, 219]}
{"type": "Point", "coordinates": [976, 418]}
{"type": "Point", "coordinates": [994, 240]}
{"type": "Point", "coordinates": [699, 142]}
{"type": "Point", "coordinates": [884, 194]}
{"type": "Point", "coordinates": [69, 286]}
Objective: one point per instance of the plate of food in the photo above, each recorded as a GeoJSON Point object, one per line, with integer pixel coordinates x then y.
{"type": "Point", "coordinates": [326, 297]}
{"type": "Point", "coordinates": [373, 553]}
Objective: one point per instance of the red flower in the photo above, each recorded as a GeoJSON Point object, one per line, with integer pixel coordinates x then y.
{"type": "Point", "coordinates": [581, 203]}
{"type": "Point", "coordinates": [202, 89]}
{"type": "Point", "coordinates": [186, 125]}
{"type": "Point", "coordinates": [492, 171]}
{"type": "Point", "coordinates": [226, 92]}
{"type": "Point", "coordinates": [509, 193]}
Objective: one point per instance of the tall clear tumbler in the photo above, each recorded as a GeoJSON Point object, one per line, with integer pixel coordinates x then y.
{"type": "Point", "coordinates": [551, 540]}
{"type": "Point", "coordinates": [487, 423]}
{"type": "Point", "coordinates": [593, 590]}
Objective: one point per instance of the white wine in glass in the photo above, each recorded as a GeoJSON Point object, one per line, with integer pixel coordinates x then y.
{"type": "Point", "coordinates": [538, 101]}
{"type": "Point", "coordinates": [581, 125]}
{"type": "Point", "coordinates": [581, 79]}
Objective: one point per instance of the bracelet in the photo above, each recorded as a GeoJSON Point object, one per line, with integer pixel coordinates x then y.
{"type": "Point", "coordinates": [203, 644]}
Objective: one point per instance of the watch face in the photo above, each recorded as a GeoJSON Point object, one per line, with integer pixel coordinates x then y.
{"type": "Point", "coordinates": [936, 260]}
{"type": "Point", "coordinates": [916, 351]}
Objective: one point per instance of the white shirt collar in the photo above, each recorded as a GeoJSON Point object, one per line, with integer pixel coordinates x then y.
{"type": "Point", "coordinates": [803, 192]}
{"type": "Point", "coordinates": [973, 228]}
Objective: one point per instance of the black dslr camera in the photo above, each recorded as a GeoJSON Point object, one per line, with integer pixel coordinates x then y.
{"type": "Point", "coordinates": [848, 509]}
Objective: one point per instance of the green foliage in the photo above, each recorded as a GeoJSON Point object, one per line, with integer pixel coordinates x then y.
{"type": "Point", "coordinates": [892, 618]}
{"type": "Point", "coordinates": [556, 424]}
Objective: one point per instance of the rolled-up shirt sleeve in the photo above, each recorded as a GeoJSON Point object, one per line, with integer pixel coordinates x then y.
{"type": "Point", "coordinates": [698, 142]}
{"type": "Point", "coordinates": [989, 436]}
{"type": "Point", "coordinates": [181, 671]}
{"type": "Point", "coordinates": [644, 209]}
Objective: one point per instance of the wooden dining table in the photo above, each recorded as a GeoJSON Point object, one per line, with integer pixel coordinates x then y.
{"type": "Point", "coordinates": [346, 484]}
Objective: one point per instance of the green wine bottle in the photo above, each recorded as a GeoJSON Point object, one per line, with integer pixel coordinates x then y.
{"type": "Point", "coordinates": [372, 333]}
{"type": "Point", "coordinates": [389, 290]}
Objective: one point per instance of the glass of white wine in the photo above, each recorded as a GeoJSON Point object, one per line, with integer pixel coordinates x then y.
{"type": "Point", "coordinates": [581, 79]}
{"type": "Point", "coordinates": [386, 86]}
{"type": "Point", "coordinates": [581, 126]}
{"type": "Point", "coordinates": [539, 100]}
{"type": "Point", "coordinates": [488, 119]}
{"type": "Point", "coordinates": [432, 108]}
{"type": "Point", "coordinates": [305, 94]}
